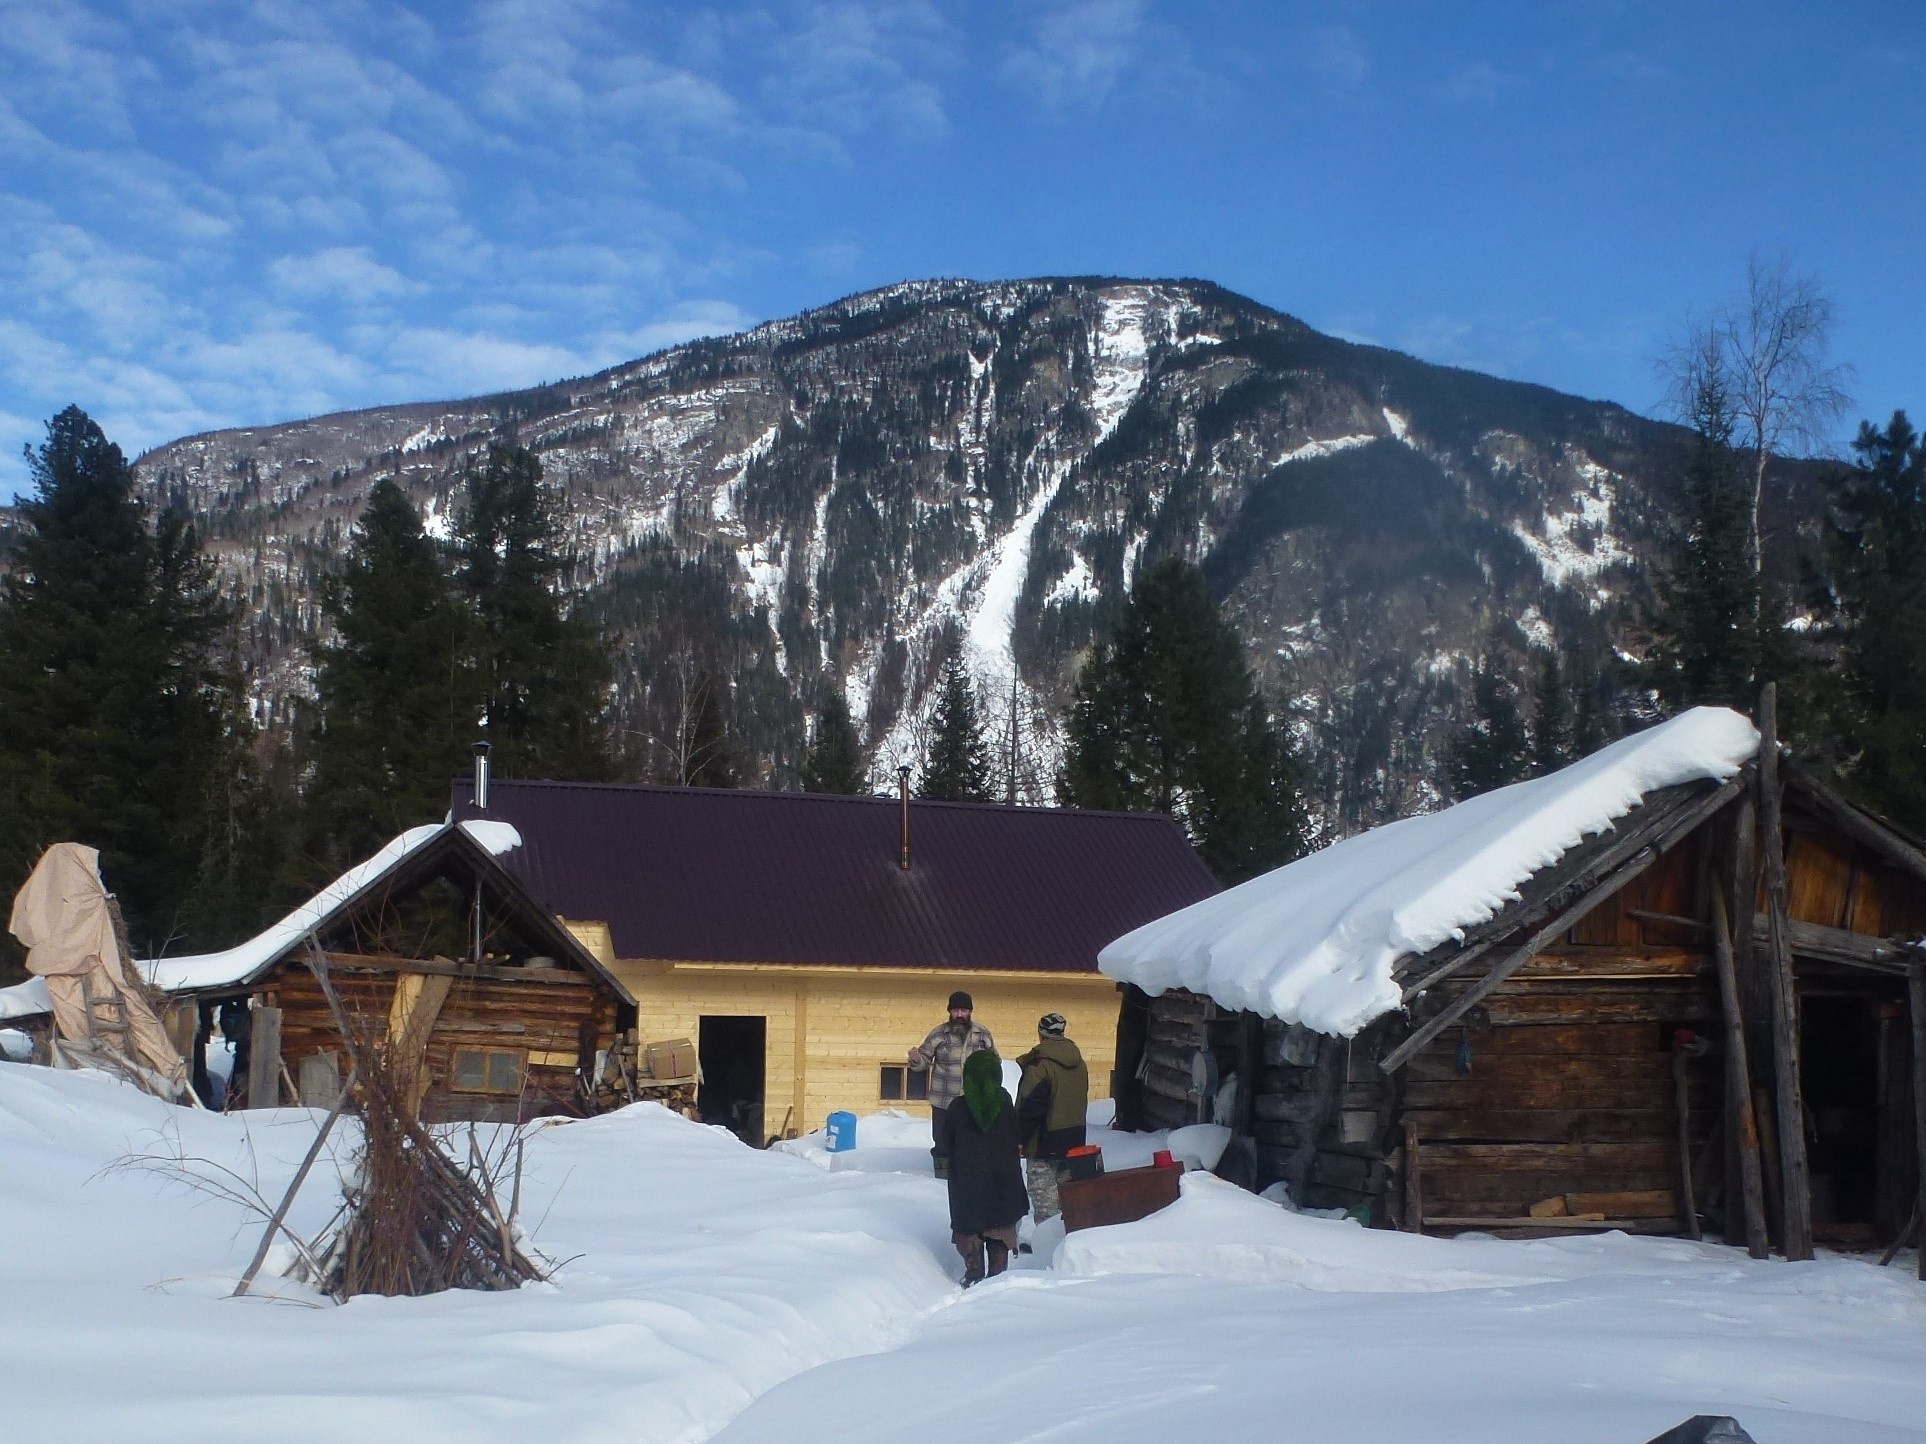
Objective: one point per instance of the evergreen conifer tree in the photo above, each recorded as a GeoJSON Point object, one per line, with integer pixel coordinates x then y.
{"type": "Point", "coordinates": [1492, 748]}
{"type": "Point", "coordinates": [120, 716]}
{"type": "Point", "coordinates": [1551, 727]}
{"type": "Point", "coordinates": [1708, 627]}
{"type": "Point", "coordinates": [397, 697]}
{"type": "Point", "coordinates": [1877, 543]}
{"type": "Point", "coordinates": [956, 768]}
{"type": "Point", "coordinates": [544, 672]}
{"type": "Point", "coordinates": [835, 760]}
{"type": "Point", "coordinates": [1167, 718]}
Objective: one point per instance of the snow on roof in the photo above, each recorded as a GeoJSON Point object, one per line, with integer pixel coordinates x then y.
{"type": "Point", "coordinates": [1314, 942]}
{"type": "Point", "coordinates": [214, 970]}
{"type": "Point", "coordinates": [24, 1000]}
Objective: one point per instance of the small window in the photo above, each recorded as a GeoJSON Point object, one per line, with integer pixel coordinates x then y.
{"type": "Point", "coordinates": [900, 1084]}
{"type": "Point", "coordinates": [480, 1070]}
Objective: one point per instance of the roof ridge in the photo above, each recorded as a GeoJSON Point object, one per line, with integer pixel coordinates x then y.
{"type": "Point", "coordinates": [497, 783]}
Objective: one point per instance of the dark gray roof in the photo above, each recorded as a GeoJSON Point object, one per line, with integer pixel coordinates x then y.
{"type": "Point", "coordinates": [711, 875]}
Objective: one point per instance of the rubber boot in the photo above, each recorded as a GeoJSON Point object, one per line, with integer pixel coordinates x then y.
{"type": "Point", "coordinates": [999, 1256]}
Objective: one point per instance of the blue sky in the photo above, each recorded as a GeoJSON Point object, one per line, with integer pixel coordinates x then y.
{"type": "Point", "coordinates": [226, 214]}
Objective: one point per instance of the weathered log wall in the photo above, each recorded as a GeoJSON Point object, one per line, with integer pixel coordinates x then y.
{"type": "Point", "coordinates": [550, 1016]}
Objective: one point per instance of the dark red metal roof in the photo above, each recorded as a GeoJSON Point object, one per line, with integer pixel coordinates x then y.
{"type": "Point", "coordinates": [713, 875]}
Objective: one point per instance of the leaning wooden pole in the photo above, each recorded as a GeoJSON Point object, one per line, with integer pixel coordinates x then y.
{"type": "Point", "coordinates": [1740, 1122]}
{"type": "Point", "coordinates": [279, 1220]}
{"type": "Point", "coordinates": [1795, 1179]}
{"type": "Point", "coordinates": [1916, 991]}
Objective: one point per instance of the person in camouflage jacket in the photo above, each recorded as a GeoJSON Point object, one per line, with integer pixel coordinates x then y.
{"type": "Point", "coordinates": [941, 1055]}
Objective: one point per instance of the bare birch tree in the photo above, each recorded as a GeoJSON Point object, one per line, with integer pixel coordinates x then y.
{"type": "Point", "coordinates": [1768, 352]}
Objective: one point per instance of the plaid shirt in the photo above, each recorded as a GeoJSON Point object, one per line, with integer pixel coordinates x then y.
{"type": "Point", "coordinates": [943, 1053]}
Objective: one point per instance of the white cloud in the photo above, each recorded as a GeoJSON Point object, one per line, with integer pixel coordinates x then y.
{"type": "Point", "coordinates": [346, 273]}
{"type": "Point", "coordinates": [1078, 51]}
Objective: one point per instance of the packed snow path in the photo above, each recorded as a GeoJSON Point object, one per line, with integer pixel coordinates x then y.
{"type": "Point", "coordinates": [713, 1291]}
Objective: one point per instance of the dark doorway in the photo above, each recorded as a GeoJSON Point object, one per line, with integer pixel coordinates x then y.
{"type": "Point", "coordinates": [1839, 1077]}
{"type": "Point", "coordinates": [730, 1050]}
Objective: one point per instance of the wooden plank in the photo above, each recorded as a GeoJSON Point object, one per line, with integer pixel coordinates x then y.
{"type": "Point", "coordinates": [1647, 1008]}
{"type": "Point", "coordinates": [1626, 1203]}
{"type": "Point", "coordinates": [1543, 1125]}
{"type": "Point", "coordinates": [1795, 1175]}
{"type": "Point", "coordinates": [1551, 1040]}
{"type": "Point", "coordinates": [1413, 1181]}
{"type": "Point", "coordinates": [1738, 1085]}
{"type": "Point", "coordinates": [1676, 963]}
{"type": "Point", "coordinates": [1654, 1157]}
{"type": "Point", "coordinates": [1818, 879]}
{"type": "Point", "coordinates": [1651, 1067]}
{"type": "Point", "coordinates": [1464, 1094]}
{"type": "Point", "coordinates": [264, 1059]}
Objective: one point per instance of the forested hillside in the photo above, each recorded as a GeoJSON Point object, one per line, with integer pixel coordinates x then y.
{"type": "Point", "coordinates": [823, 502]}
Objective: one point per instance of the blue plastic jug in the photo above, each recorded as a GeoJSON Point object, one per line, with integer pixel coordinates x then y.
{"type": "Point", "coordinates": [840, 1132]}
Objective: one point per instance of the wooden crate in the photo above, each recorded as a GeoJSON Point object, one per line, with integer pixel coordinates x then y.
{"type": "Point", "coordinates": [1121, 1197]}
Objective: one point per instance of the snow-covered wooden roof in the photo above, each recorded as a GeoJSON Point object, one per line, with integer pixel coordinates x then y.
{"type": "Point", "coordinates": [1316, 942]}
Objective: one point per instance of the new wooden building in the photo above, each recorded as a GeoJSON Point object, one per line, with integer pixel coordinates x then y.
{"type": "Point", "coordinates": [806, 942]}
{"type": "Point", "coordinates": [434, 945]}
{"type": "Point", "coordinates": [1712, 1011]}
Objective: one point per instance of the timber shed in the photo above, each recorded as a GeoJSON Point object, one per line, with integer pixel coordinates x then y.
{"type": "Point", "coordinates": [1676, 985]}
{"type": "Point", "coordinates": [434, 942]}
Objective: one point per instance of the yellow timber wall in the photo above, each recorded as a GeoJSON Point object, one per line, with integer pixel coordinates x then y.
{"type": "Point", "coordinates": [829, 1030]}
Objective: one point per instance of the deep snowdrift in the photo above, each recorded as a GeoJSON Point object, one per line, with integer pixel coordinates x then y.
{"type": "Point", "coordinates": [712, 1288]}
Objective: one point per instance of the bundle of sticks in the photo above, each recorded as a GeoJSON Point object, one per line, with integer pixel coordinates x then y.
{"type": "Point", "coordinates": [413, 1220]}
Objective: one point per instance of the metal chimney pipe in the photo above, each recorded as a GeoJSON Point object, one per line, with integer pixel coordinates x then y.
{"type": "Point", "coordinates": [481, 776]}
{"type": "Point", "coordinates": [902, 785]}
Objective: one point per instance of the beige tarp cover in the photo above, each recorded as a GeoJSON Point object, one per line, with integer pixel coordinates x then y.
{"type": "Point", "coordinates": [62, 918]}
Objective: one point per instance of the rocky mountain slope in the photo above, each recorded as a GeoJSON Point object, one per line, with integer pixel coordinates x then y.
{"type": "Point", "coordinates": [824, 499]}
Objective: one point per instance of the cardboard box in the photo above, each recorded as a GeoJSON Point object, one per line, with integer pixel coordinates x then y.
{"type": "Point", "coordinates": [673, 1059]}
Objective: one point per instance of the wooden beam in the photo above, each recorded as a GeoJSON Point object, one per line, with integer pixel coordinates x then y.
{"type": "Point", "coordinates": [1795, 1178]}
{"type": "Point", "coordinates": [1838, 945]}
{"type": "Point", "coordinates": [374, 963]}
{"type": "Point", "coordinates": [1916, 997]}
{"type": "Point", "coordinates": [264, 1058]}
{"type": "Point", "coordinates": [1512, 962]}
{"type": "Point", "coordinates": [1413, 1182]}
{"type": "Point", "coordinates": [1856, 824]}
{"type": "Point", "coordinates": [1739, 1117]}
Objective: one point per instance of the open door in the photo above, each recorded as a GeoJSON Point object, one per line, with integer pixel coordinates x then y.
{"type": "Point", "coordinates": [731, 1050]}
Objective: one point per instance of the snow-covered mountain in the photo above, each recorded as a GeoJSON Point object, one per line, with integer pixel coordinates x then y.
{"type": "Point", "coordinates": [823, 499]}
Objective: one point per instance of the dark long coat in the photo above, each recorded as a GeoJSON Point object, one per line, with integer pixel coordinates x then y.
{"type": "Point", "coordinates": [986, 1173]}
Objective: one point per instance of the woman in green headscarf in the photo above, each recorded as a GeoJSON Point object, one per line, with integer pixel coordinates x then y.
{"type": "Point", "coordinates": [977, 1133]}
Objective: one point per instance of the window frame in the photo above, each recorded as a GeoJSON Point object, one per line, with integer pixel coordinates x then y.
{"type": "Point", "coordinates": [485, 1088]}
{"type": "Point", "coordinates": [913, 1084]}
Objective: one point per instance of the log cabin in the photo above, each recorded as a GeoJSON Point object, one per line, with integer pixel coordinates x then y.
{"type": "Point", "coordinates": [1675, 986]}
{"type": "Point", "coordinates": [434, 942]}
{"type": "Point", "coordinates": [805, 941]}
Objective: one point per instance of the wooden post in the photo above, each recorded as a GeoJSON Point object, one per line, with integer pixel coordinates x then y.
{"type": "Point", "coordinates": [1916, 996]}
{"type": "Point", "coordinates": [1739, 1119]}
{"type": "Point", "coordinates": [1795, 1176]}
{"type": "Point", "coordinates": [264, 1059]}
{"type": "Point", "coordinates": [1413, 1186]}
{"type": "Point", "coordinates": [1688, 1203]}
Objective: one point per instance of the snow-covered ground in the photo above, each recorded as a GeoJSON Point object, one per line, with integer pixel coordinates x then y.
{"type": "Point", "coordinates": [709, 1290]}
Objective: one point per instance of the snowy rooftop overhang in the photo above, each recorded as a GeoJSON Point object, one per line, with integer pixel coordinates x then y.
{"type": "Point", "coordinates": [25, 1000]}
{"type": "Point", "coordinates": [1315, 942]}
{"type": "Point", "coordinates": [237, 964]}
